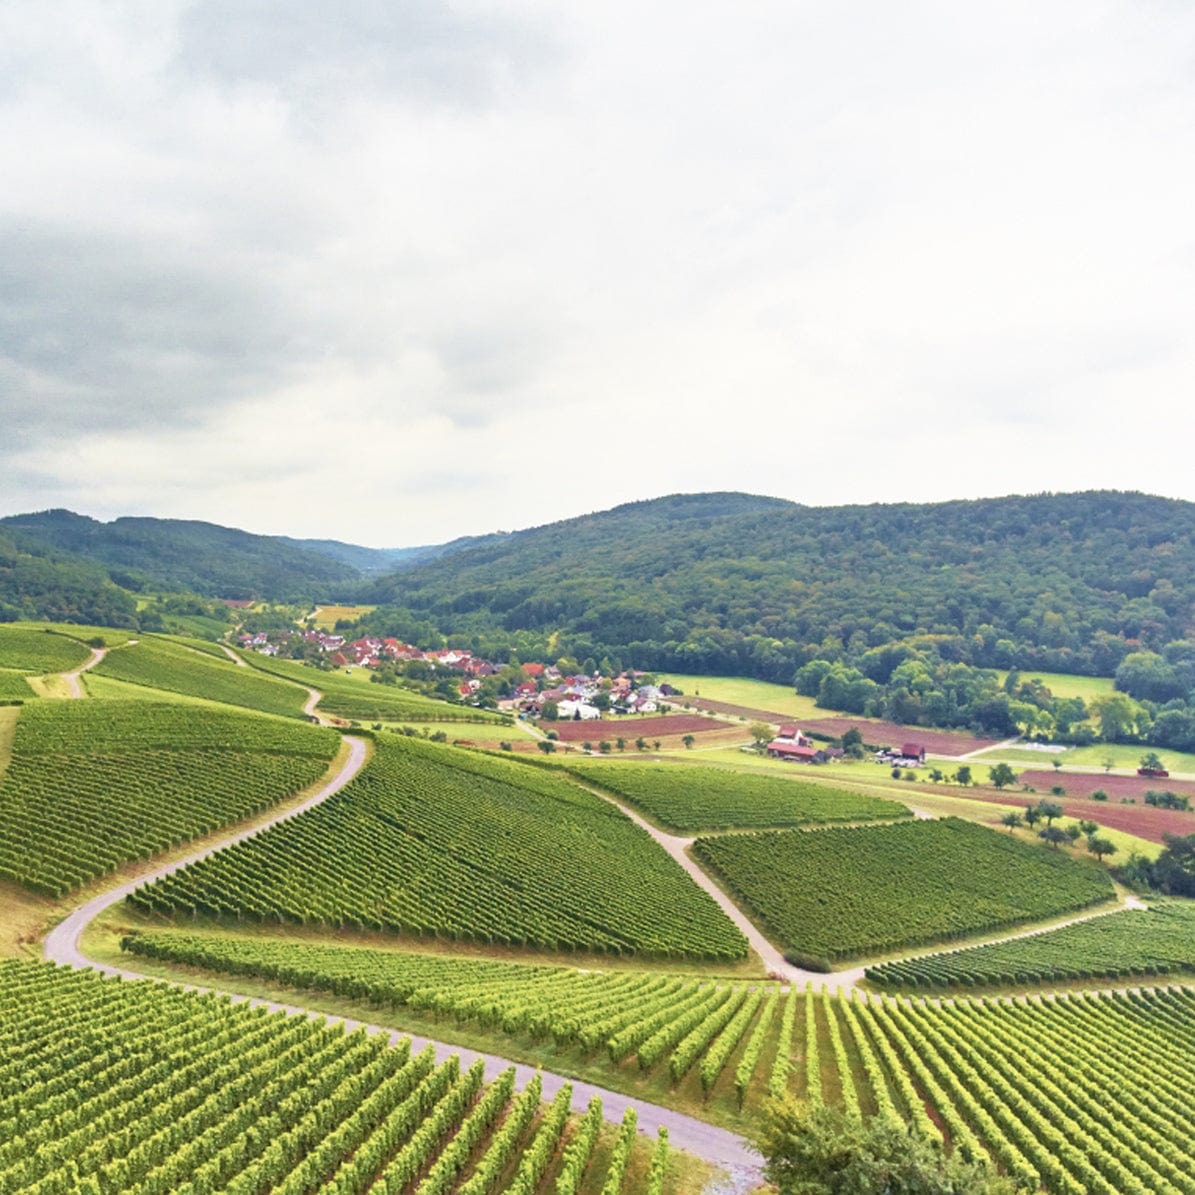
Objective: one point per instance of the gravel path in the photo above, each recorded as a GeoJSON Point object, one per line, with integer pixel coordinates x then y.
{"type": "Point", "coordinates": [232, 655]}
{"type": "Point", "coordinates": [72, 678]}
{"type": "Point", "coordinates": [714, 1145]}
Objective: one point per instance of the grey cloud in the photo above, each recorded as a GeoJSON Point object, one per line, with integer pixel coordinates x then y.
{"type": "Point", "coordinates": [418, 49]}
{"type": "Point", "coordinates": [102, 332]}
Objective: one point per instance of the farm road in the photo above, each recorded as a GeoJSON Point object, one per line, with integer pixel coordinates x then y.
{"type": "Point", "coordinates": [717, 1146]}
{"type": "Point", "coordinates": [74, 688]}
{"type": "Point", "coordinates": [232, 655]}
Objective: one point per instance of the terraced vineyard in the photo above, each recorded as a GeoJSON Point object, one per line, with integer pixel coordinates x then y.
{"type": "Point", "coordinates": [160, 664]}
{"type": "Point", "coordinates": [867, 890]}
{"type": "Point", "coordinates": [1079, 1093]}
{"type": "Point", "coordinates": [114, 1087]}
{"type": "Point", "coordinates": [36, 652]}
{"type": "Point", "coordinates": [93, 784]}
{"type": "Point", "coordinates": [684, 798]}
{"type": "Point", "coordinates": [440, 841]}
{"type": "Point", "coordinates": [1158, 941]}
{"type": "Point", "coordinates": [366, 702]}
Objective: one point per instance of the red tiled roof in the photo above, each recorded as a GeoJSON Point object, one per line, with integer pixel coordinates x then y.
{"type": "Point", "coordinates": [779, 747]}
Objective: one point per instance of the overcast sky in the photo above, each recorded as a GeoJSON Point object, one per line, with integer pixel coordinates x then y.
{"type": "Point", "coordinates": [394, 272]}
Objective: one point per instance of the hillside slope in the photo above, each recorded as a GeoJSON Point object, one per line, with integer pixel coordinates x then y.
{"type": "Point", "coordinates": [740, 584]}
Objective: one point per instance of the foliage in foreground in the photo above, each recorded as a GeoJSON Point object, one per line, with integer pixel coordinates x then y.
{"type": "Point", "coordinates": [697, 798]}
{"type": "Point", "coordinates": [93, 784]}
{"type": "Point", "coordinates": [822, 1151]}
{"type": "Point", "coordinates": [830, 895]}
{"type": "Point", "coordinates": [446, 842]}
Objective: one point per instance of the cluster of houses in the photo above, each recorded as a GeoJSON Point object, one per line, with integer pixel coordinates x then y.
{"type": "Point", "coordinates": [910, 755]}
{"type": "Point", "coordinates": [574, 697]}
{"type": "Point", "coordinates": [791, 745]}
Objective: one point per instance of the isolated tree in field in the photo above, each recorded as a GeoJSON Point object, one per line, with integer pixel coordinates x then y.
{"type": "Point", "coordinates": [1107, 763]}
{"type": "Point", "coordinates": [655, 744]}
{"type": "Point", "coordinates": [1053, 835]}
{"type": "Point", "coordinates": [1090, 829]}
{"type": "Point", "coordinates": [621, 744]}
{"type": "Point", "coordinates": [546, 746]}
{"type": "Point", "coordinates": [604, 746]}
{"type": "Point", "coordinates": [1012, 820]}
{"type": "Point", "coordinates": [1057, 764]}
{"type": "Point", "coordinates": [1002, 775]}
{"type": "Point", "coordinates": [1153, 761]}
{"type": "Point", "coordinates": [640, 744]}
{"type": "Point", "coordinates": [1101, 847]}
{"type": "Point", "coordinates": [963, 775]}
{"type": "Point", "coordinates": [1073, 833]}
{"type": "Point", "coordinates": [1032, 815]}
{"type": "Point", "coordinates": [1050, 810]}
{"type": "Point", "coordinates": [688, 741]}
{"type": "Point", "coordinates": [760, 733]}
{"type": "Point", "coordinates": [937, 775]}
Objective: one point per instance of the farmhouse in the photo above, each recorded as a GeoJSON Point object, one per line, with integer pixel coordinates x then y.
{"type": "Point", "coordinates": [791, 744]}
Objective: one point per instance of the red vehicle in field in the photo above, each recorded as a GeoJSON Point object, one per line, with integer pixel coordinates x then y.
{"type": "Point", "coordinates": [1153, 773]}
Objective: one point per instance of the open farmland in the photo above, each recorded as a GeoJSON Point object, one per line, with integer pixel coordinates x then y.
{"type": "Point", "coordinates": [1140, 820]}
{"type": "Point", "coordinates": [172, 1091]}
{"type": "Point", "coordinates": [633, 728]}
{"type": "Point", "coordinates": [445, 842]}
{"type": "Point", "coordinates": [94, 784]}
{"type": "Point", "coordinates": [682, 797]}
{"type": "Point", "coordinates": [1136, 942]}
{"type": "Point", "coordinates": [1015, 1083]}
{"type": "Point", "coordinates": [161, 664]}
{"type": "Point", "coordinates": [37, 652]}
{"type": "Point", "coordinates": [827, 896]}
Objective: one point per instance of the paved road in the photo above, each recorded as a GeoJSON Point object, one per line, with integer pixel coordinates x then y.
{"type": "Point", "coordinates": [715, 1145]}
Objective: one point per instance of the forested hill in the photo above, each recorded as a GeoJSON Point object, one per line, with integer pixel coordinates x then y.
{"type": "Point", "coordinates": [740, 584]}
{"type": "Point", "coordinates": [37, 582]}
{"type": "Point", "coordinates": [184, 556]}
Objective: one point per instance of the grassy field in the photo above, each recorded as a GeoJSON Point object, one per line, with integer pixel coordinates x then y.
{"type": "Point", "coordinates": [754, 694]}
{"type": "Point", "coordinates": [1124, 757]}
{"type": "Point", "coordinates": [326, 617]}
{"type": "Point", "coordinates": [1062, 684]}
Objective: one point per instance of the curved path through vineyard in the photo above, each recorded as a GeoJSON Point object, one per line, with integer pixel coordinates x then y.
{"type": "Point", "coordinates": [72, 678]}
{"type": "Point", "coordinates": [715, 1145]}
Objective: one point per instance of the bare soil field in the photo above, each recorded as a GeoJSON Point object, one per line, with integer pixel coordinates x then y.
{"type": "Point", "coordinates": [937, 742]}
{"type": "Point", "coordinates": [633, 728]}
{"type": "Point", "coordinates": [1141, 820]}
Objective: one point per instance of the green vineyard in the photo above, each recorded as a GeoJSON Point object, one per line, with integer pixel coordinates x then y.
{"type": "Point", "coordinates": [685, 798]}
{"type": "Point", "coordinates": [126, 1087]}
{"type": "Point", "coordinates": [449, 843]}
{"type": "Point", "coordinates": [868, 890]}
{"type": "Point", "coordinates": [94, 784]}
{"type": "Point", "coordinates": [1081, 1093]}
{"type": "Point", "coordinates": [1158, 941]}
{"type": "Point", "coordinates": [367, 702]}
{"type": "Point", "coordinates": [13, 686]}
{"type": "Point", "coordinates": [161, 664]}
{"type": "Point", "coordinates": [36, 652]}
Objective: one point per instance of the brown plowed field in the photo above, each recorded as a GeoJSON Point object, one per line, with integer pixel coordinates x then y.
{"type": "Point", "coordinates": [1141, 820]}
{"type": "Point", "coordinates": [633, 728]}
{"type": "Point", "coordinates": [936, 742]}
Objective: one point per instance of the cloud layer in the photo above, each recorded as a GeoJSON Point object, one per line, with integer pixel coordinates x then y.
{"type": "Point", "coordinates": [395, 273]}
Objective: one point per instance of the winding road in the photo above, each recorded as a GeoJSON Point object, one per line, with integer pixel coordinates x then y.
{"type": "Point", "coordinates": [708, 1142]}
{"type": "Point", "coordinates": [72, 678]}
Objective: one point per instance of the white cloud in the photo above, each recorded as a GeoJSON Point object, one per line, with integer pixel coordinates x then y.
{"type": "Point", "coordinates": [398, 273]}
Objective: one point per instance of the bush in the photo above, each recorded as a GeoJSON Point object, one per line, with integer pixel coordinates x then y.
{"type": "Point", "coordinates": [1099, 795]}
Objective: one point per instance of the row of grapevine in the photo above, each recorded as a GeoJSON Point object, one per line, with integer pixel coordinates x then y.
{"type": "Point", "coordinates": [109, 1086]}
{"type": "Point", "coordinates": [444, 842]}
{"type": "Point", "coordinates": [1079, 1093]}
{"type": "Point", "coordinates": [1158, 941]}
{"type": "Point", "coordinates": [36, 652]}
{"type": "Point", "coordinates": [91, 785]}
{"type": "Point", "coordinates": [894, 885]}
{"type": "Point", "coordinates": [692, 798]}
